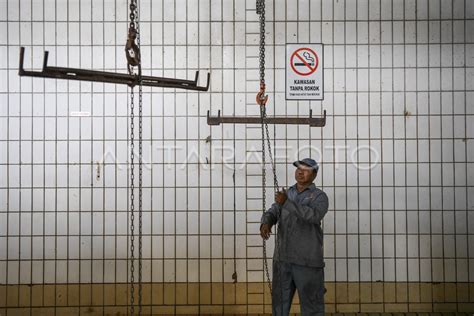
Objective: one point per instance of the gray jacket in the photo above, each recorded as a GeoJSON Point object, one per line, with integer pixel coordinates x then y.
{"type": "Point", "coordinates": [300, 238]}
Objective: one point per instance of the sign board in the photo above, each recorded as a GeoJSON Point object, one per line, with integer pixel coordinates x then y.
{"type": "Point", "coordinates": [304, 72]}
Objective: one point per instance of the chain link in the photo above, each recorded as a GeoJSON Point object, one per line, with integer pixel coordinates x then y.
{"type": "Point", "coordinates": [133, 14]}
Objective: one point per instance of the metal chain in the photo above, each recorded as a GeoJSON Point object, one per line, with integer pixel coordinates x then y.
{"type": "Point", "coordinates": [261, 12]}
{"type": "Point", "coordinates": [134, 28]}
{"type": "Point", "coordinates": [270, 154]}
{"type": "Point", "coordinates": [264, 194]}
{"type": "Point", "coordinates": [260, 6]}
{"type": "Point", "coordinates": [132, 203]}
{"type": "Point", "coordinates": [133, 14]}
{"type": "Point", "coordinates": [266, 136]}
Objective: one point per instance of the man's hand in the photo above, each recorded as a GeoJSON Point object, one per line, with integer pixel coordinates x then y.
{"type": "Point", "coordinates": [280, 196]}
{"type": "Point", "coordinates": [265, 231]}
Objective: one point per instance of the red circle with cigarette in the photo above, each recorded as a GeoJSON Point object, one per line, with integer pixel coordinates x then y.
{"type": "Point", "coordinates": [304, 61]}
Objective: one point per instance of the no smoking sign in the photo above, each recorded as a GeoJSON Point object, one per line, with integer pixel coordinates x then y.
{"type": "Point", "coordinates": [304, 72]}
{"type": "Point", "coordinates": [304, 61]}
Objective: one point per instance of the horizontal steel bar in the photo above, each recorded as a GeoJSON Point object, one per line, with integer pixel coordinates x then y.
{"type": "Point", "coordinates": [109, 77]}
{"type": "Point", "coordinates": [311, 121]}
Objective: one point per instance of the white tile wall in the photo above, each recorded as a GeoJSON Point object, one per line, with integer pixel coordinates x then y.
{"type": "Point", "coordinates": [398, 80]}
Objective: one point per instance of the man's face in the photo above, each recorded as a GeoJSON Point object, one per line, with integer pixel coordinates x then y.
{"type": "Point", "coordinates": [304, 175]}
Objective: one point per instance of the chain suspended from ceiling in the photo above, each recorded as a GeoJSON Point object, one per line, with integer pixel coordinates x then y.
{"type": "Point", "coordinates": [132, 52]}
{"type": "Point", "coordinates": [262, 100]}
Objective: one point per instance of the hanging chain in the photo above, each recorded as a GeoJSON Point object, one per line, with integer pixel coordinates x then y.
{"type": "Point", "coordinates": [132, 204]}
{"type": "Point", "coordinates": [262, 100]}
{"type": "Point", "coordinates": [261, 12]}
{"type": "Point", "coordinates": [132, 50]}
{"type": "Point", "coordinates": [264, 194]}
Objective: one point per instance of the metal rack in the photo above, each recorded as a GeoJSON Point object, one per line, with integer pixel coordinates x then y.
{"type": "Point", "coordinates": [311, 121]}
{"type": "Point", "coordinates": [109, 77]}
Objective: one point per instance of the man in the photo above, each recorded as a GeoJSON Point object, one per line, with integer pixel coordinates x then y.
{"type": "Point", "coordinates": [298, 258]}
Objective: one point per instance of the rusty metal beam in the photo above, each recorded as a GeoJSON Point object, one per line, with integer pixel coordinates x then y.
{"type": "Point", "coordinates": [311, 121]}
{"type": "Point", "coordinates": [109, 77]}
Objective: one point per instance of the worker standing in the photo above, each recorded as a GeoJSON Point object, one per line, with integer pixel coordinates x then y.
{"type": "Point", "coordinates": [298, 262]}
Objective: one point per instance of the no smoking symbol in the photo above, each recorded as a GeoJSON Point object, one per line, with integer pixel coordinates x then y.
{"type": "Point", "coordinates": [304, 61]}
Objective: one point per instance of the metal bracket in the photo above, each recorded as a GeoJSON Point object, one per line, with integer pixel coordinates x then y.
{"type": "Point", "coordinates": [109, 77]}
{"type": "Point", "coordinates": [311, 121]}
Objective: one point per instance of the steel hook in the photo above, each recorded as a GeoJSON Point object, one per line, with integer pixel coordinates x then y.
{"type": "Point", "coordinates": [261, 97]}
{"type": "Point", "coordinates": [132, 51]}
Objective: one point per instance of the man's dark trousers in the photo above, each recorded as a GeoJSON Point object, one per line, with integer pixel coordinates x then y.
{"type": "Point", "coordinates": [309, 281]}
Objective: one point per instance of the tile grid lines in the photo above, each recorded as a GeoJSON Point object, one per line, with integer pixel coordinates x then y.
{"type": "Point", "coordinates": [405, 173]}
{"type": "Point", "coordinates": [230, 21]}
{"type": "Point", "coordinates": [251, 77]}
{"type": "Point", "coordinates": [69, 268]}
{"type": "Point", "coordinates": [358, 191]}
{"type": "Point", "coordinates": [345, 143]}
{"type": "Point", "coordinates": [417, 174]}
{"type": "Point", "coordinates": [112, 174]}
{"type": "Point", "coordinates": [333, 224]}
{"type": "Point", "coordinates": [429, 156]}
{"type": "Point", "coordinates": [148, 121]}
{"type": "Point", "coordinates": [221, 100]}
{"type": "Point", "coordinates": [394, 174]}
{"type": "Point", "coordinates": [56, 176]}
{"type": "Point", "coordinates": [370, 190]}
{"type": "Point", "coordinates": [442, 160]}
{"type": "Point", "coordinates": [465, 151]}
{"type": "Point", "coordinates": [246, 171]}
{"type": "Point", "coordinates": [116, 244]}
{"type": "Point", "coordinates": [209, 234]}
{"type": "Point", "coordinates": [334, 263]}
{"type": "Point", "coordinates": [406, 271]}
{"type": "Point", "coordinates": [82, 217]}
{"type": "Point", "coordinates": [43, 266]}
{"type": "Point", "coordinates": [453, 156]}
{"type": "Point", "coordinates": [223, 164]}
{"type": "Point", "coordinates": [453, 159]}
{"type": "Point", "coordinates": [187, 146]}
{"type": "Point", "coordinates": [222, 223]}
{"type": "Point", "coordinates": [31, 197]}
{"type": "Point", "coordinates": [357, 140]}
{"type": "Point", "coordinates": [234, 78]}
{"type": "Point", "coordinates": [85, 265]}
{"type": "Point", "coordinates": [175, 197]}
{"type": "Point", "coordinates": [163, 191]}
{"type": "Point", "coordinates": [8, 273]}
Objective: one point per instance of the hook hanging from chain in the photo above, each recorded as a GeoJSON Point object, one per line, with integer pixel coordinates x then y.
{"type": "Point", "coordinates": [132, 51]}
{"type": "Point", "coordinates": [261, 98]}
{"type": "Point", "coordinates": [132, 47]}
